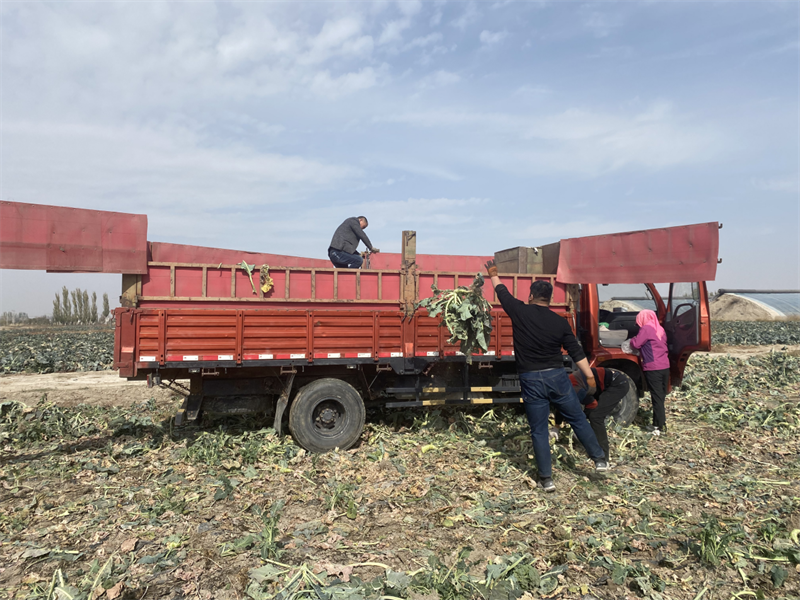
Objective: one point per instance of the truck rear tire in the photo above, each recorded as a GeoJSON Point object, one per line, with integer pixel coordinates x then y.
{"type": "Point", "coordinates": [326, 414]}
{"type": "Point", "coordinates": [626, 410]}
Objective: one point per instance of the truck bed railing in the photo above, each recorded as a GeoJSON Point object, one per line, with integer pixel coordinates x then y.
{"type": "Point", "coordinates": [171, 282]}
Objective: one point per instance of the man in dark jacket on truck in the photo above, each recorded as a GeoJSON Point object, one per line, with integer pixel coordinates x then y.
{"type": "Point", "coordinates": [342, 250]}
{"type": "Point", "coordinates": [539, 334]}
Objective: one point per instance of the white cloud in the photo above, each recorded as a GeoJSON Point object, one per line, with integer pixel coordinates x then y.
{"type": "Point", "coordinates": [439, 212]}
{"type": "Point", "coordinates": [466, 18]}
{"type": "Point", "coordinates": [409, 7]}
{"type": "Point", "coordinates": [393, 31]}
{"type": "Point", "coordinates": [776, 185]}
{"type": "Point", "coordinates": [554, 230]}
{"type": "Point", "coordinates": [577, 140]}
{"type": "Point", "coordinates": [341, 37]}
{"type": "Point", "coordinates": [169, 170]}
{"type": "Point", "coordinates": [489, 38]}
{"type": "Point", "coordinates": [533, 90]}
{"type": "Point", "coordinates": [424, 41]}
{"type": "Point", "coordinates": [601, 23]}
{"type": "Point", "coordinates": [438, 79]}
{"type": "Point", "coordinates": [324, 84]}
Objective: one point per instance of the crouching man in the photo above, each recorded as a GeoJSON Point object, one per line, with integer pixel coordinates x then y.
{"type": "Point", "coordinates": [611, 388]}
{"type": "Point", "coordinates": [342, 250]}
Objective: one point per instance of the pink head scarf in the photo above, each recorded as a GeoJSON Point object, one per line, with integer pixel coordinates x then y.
{"type": "Point", "coordinates": [648, 317]}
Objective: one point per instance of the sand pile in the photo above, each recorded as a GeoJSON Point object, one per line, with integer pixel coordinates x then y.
{"type": "Point", "coordinates": [730, 307]}
{"type": "Point", "coordinates": [626, 306]}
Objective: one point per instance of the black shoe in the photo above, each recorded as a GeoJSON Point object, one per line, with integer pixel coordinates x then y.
{"type": "Point", "coordinates": [546, 483]}
{"type": "Point", "coordinates": [654, 431]}
{"type": "Point", "coordinates": [601, 465]}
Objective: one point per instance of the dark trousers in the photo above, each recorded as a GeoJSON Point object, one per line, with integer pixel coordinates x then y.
{"type": "Point", "coordinates": [344, 260]}
{"type": "Point", "coordinates": [657, 382]}
{"type": "Point", "coordinates": [539, 390]}
{"type": "Point", "coordinates": [606, 403]}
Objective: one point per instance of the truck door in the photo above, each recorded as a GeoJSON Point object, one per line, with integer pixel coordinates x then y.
{"type": "Point", "coordinates": [687, 325]}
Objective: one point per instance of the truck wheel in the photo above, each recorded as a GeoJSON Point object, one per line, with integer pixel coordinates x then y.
{"type": "Point", "coordinates": [327, 414]}
{"type": "Point", "coordinates": [627, 408]}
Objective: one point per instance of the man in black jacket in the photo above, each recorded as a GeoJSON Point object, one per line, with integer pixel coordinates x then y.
{"type": "Point", "coordinates": [539, 334]}
{"type": "Point", "coordinates": [342, 250]}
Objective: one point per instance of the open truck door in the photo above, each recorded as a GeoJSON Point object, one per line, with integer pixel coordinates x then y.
{"type": "Point", "coordinates": [687, 324]}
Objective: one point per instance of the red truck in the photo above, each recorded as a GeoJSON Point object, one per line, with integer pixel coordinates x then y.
{"type": "Point", "coordinates": [325, 343]}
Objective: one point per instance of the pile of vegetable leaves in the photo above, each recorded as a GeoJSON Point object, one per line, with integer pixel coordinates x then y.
{"type": "Point", "coordinates": [56, 350]}
{"type": "Point", "coordinates": [465, 313]}
{"type": "Point", "coordinates": [755, 333]}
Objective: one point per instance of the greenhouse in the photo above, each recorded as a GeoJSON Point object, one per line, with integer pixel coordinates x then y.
{"type": "Point", "coordinates": [756, 305]}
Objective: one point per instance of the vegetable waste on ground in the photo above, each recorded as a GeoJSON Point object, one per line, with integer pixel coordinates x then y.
{"type": "Point", "coordinates": [755, 333]}
{"type": "Point", "coordinates": [56, 349]}
{"type": "Point", "coordinates": [114, 502]}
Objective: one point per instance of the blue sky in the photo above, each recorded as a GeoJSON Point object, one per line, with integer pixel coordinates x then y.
{"type": "Point", "coordinates": [482, 125]}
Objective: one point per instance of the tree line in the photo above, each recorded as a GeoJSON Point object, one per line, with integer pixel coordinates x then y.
{"type": "Point", "coordinates": [74, 307]}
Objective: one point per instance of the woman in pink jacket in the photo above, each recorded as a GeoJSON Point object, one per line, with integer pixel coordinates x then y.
{"type": "Point", "coordinates": [651, 342]}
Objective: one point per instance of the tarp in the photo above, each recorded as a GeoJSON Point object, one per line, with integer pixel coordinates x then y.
{"type": "Point", "coordinates": [71, 240]}
{"type": "Point", "coordinates": [664, 255]}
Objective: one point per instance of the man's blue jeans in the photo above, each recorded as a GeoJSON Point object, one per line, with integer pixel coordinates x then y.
{"type": "Point", "coordinates": [344, 260]}
{"type": "Point", "coordinates": [540, 389]}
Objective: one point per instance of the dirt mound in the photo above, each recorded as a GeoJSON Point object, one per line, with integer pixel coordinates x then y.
{"type": "Point", "coordinates": [626, 306]}
{"type": "Point", "coordinates": [730, 307]}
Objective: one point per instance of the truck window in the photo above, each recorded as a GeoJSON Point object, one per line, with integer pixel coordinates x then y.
{"type": "Point", "coordinates": [682, 321]}
{"type": "Point", "coordinates": [619, 303]}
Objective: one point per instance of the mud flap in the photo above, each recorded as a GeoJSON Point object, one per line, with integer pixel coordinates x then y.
{"type": "Point", "coordinates": [283, 401]}
{"type": "Point", "coordinates": [190, 410]}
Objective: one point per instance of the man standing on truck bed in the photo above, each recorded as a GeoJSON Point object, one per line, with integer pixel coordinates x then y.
{"type": "Point", "coordinates": [342, 250]}
{"type": "Point", "coordinates": [539, 334]}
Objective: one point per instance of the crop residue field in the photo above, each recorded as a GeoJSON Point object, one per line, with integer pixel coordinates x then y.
{"type": "Point", "coordinates": [111, 501]}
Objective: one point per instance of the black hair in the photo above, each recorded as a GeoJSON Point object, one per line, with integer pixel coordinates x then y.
{"type": "Point", "coordinates": [541, 290]}
{"type": "Point", "coordinates": [365, 220]}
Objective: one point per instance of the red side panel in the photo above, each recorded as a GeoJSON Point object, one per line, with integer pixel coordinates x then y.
{"type": "Point", "coordinates": [665, 255]}
{"type": "Point", "coordinates": [54, 238]}
{"type": "Point", "coordinates": [181, 253]}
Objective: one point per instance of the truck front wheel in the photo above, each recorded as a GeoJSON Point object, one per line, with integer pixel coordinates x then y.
{"type": "Point", "coordinates": [326, 414]}
{"type": "Point", "coordinates": [626, 410]}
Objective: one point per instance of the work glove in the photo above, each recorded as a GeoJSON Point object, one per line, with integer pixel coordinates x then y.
{"type": "Point", "coordinates": [592, 386]}
{"type": "Point", "coordinates": [491, 268]}
{"type": "Point", "coordinates": [591, 406]}
{"type": "Point", "coordinates": [375, 250]}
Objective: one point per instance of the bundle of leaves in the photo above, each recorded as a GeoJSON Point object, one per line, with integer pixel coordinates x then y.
{"type": "Point", "coordinates": [465, 313]}
{"type": "Point", "coordinates": [755, 333]}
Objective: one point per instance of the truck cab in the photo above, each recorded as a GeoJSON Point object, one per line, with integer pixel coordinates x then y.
{"type": "Point", "coordinates": [607, 317]}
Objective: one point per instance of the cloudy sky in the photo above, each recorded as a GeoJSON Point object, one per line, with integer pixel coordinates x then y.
{"type": "Point", "coordinates": [482, 125]}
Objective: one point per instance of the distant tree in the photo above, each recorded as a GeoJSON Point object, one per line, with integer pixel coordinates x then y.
{"type": "Point", "coordinates": [93, 314]}
{"type": "Point", "coordinates": [11, 318]}
{"type": "Point", "coordinates": [66, 307]}
{"type": "Point", "coordinates": [76, 297]}
{"type": "Point", "coordinates": [106, 309]}
{"type": "Point", "coordinates": [86, 313]}
{"type": "Point", "coordinates": [58, 314]}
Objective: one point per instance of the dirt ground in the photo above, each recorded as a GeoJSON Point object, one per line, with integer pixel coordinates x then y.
{"type": "Point", "coordinates": [100, 388]}
{"type": "Point", "coordinates": [710, 511]}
